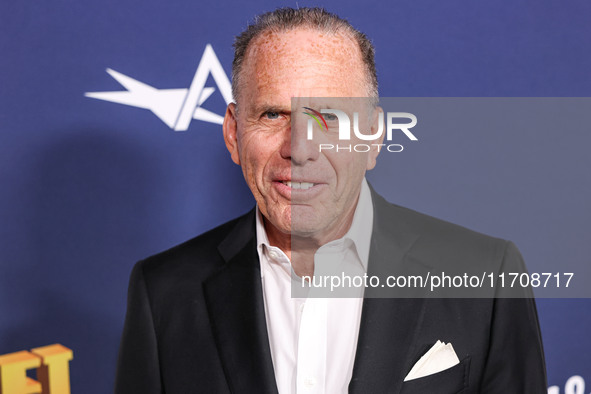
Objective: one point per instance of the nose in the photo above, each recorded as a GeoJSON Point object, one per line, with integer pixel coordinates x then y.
{"type": "Point", "coordinates": [296, 145]}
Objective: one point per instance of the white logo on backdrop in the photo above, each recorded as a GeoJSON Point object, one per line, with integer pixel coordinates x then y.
{"type": "Point", "coordinates": [175, 107]}
{"type": "Point", "coordinates": [574, 385]}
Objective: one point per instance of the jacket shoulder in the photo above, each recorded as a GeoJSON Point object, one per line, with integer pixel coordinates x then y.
{"type": "Point", "coordinates": [197, 256]}
{"type": "Point", "coordinates": [443, 242]}
{"type": "Point", "coordinates": [426, 224]}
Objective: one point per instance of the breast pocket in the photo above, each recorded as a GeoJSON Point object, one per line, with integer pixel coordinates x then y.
{"type": "Point", "coordinates": [450, 381]}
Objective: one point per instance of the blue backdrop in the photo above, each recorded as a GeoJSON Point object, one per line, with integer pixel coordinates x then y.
{"type": "Point", "coordinates": [88, 187]}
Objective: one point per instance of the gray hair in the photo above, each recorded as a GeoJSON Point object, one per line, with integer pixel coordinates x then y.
{"type": "Point", "coordinates": [285, 19]}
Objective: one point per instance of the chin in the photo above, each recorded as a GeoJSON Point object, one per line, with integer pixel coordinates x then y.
{"type": "Point", "coordinates": [305, 228]}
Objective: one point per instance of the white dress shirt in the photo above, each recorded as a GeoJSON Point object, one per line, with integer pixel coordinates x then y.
{"type": "Point", "coordinates": [313, 340]}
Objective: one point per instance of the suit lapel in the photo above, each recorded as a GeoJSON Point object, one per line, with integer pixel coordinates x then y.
{"type": "Point", "coordinates": [234, 299]}
{"type": "Point", "coordinates": [388, 325]}
{"type": "Point", "coordinates": [235, 305]}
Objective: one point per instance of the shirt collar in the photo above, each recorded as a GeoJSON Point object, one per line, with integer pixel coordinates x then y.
{"type": "Point", "coordinates": [362, 225]}
{"type": "Point", "coordinates": [359, 232]}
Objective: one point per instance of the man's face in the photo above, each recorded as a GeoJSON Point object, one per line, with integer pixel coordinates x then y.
{"type": "Point", "coordinates": [299, 190]}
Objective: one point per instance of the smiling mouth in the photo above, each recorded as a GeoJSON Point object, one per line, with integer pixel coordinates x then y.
{"type": "Point", "coordinates": [298, 185]}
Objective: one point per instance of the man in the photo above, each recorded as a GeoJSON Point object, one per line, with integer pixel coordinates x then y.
{"type": "Point", "coordinates": [216, 315]}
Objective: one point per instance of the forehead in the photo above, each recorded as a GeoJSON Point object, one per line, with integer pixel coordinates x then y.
{"type": "Point", "coordinates": [304, 62]}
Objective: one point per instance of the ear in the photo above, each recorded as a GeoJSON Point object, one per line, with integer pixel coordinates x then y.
{"type": "Point", "coordinates": [375, 124]}
{"type": "Point", "coordinates": [230, 132]}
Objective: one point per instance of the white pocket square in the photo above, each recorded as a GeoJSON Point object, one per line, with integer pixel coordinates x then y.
{"type": "Point", "coordinates": [440, 357]}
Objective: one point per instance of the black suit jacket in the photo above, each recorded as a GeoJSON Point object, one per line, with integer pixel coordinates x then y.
{"type": "Point", "coordinates": [195, 319]}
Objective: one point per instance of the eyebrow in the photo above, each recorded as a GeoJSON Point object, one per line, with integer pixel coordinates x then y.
{"type": "Point", "coordinates": [271, 108]}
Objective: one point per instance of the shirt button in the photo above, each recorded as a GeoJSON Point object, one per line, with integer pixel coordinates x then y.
{"type": "Point", "coordinates": [273, 254]}
{"type": "Point", "coordinates": [309, 382]}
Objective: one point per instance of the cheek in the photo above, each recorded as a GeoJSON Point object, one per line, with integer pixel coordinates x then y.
{"type": "Point", "coordinates": [253, 155]}
{"type": "Point", "coordinates": [349, 168]}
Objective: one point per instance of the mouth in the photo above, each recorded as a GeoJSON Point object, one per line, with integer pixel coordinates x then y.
{"type": "Point", "coordinates": [298, 190]}
{"type": "Point", "coordinates": [299, 185]}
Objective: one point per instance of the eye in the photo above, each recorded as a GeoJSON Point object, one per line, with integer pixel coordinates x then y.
{"type": "Point", "coordinates": [330, 116]}
{"type": "Point", "coordinates": [271, 115]}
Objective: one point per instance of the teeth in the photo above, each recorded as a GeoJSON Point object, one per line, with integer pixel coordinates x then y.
{"type": "Point", "coordinates": [298, 185]}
